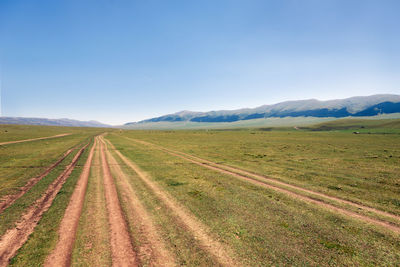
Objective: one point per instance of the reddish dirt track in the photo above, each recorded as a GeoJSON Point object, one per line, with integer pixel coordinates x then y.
{"type": "Point", "coordinates": [61, 255]}
{"type": "Point", "coordinates": [294, 187]}
{"type": "Point", "coordinates": [14, 238]}
{"type": "Point", "coordinates": [122, 252]}
{"type": "Point", "coordinates": [34, 139]}
{"type": "Point", "coordinates": [343, 211]}
{"type": "Point", "coordinates": [276, 185]}
{"type": "Point", "coordinates": [9, 199]}
{"type": "Point", "coordinates": [151, 249]}
{"type": "Point", "coordinates": [219, 251]}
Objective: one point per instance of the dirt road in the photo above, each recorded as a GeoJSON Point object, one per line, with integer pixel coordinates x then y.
{"type": "Point", "coordinates": [152, 249]}
{"type": "Point", "coordinates": [61, 255]}
{"type": "Point", "coordinates": [92, 241]}
{"type": "Point", "coordinates": [34, 139]}
{"type": "Point", "coordinates": [296, 192]}
{"type": "Point", "coordinates": [14, 238]}
{"type": "Point", "coordinates": [9, 199]}
{"type": "Point", "coordinates": [200, 232]}
{"type": "Point", "coordinates": [121, 247]}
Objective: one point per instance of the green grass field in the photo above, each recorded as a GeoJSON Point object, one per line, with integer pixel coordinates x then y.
{"type": "Point", "coordinates": [262, 226]}
{"type": "Point", "coordinates": [336, 162]}
{"type": "Point", "coordinates": [360, 125]}
{"type": "Point", "coordinates": [265, 227]}
{"type": "Point", "coordinates": [207, 216]}
{"type": "Point", "coordinates": [21, 132]}
{"type": "Point", "coordinates": [44, 238]}
{"type": "Point", "coordinates": [21, 161]}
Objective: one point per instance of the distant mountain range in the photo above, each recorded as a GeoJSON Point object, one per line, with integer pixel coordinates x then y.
{"type": "Point", "coordinates": [359, 106]}
{"type": "Point", "coordinates": [51, 122]}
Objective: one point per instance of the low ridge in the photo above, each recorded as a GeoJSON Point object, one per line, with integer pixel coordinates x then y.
{"type": "Point", "coordinates": [359, 106]}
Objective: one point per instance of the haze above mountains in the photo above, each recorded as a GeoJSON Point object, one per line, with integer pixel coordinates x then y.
{"type": "Point", "coordinates": [302, 110]}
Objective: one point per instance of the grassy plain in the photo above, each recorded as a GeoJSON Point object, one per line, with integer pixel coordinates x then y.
{"type": "Point", "coordinates": [21, 132]}
{"type": "Point", "coordinates": [254, 225]}
{"type": "Point", "coordinates": [44, 238]}
{"type": "Point", "coordinates": [14, 212]}
{"type": "Point", "coordinates": [92, 247]}
{"type": "Point", "coordinates": [22, 161]}
{"type": "Point", "coordinates": [263, 226]}
{"type": "Point", "coordinates": [386, 126]}
{"type": "Point", "coordinates": [363, 167]}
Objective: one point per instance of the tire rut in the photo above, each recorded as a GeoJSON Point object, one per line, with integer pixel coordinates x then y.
{"type": "Point", "coordinates": [92, 243]}
{"type": "Point", "coordinates": [152, 249]}
{"type": "Point", "coordinates": [8, 200]}
{"type": "Point", "coordinates": [61, 255]}
{"type": "Point", "coordinates": [34, 139]}
{"type": "Point", "coordinates": [200, 232]}
{"type": "Point", "coordinates": [122, 252]}
{"type": "Point", "coordinates": [14, 238]}
{"type": "Point", "coordinates": [282, 187]}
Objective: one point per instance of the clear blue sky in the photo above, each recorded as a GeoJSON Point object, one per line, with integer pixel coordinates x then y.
{"type": "Point", "coordinates": [124, 60]}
